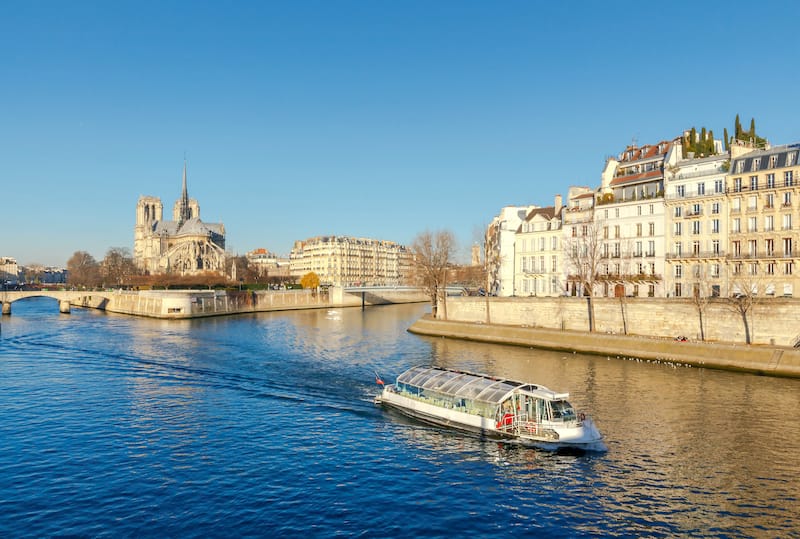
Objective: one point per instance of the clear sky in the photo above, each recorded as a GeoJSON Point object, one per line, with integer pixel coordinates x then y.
{"type": "Point", "coordinates": [366, 118]}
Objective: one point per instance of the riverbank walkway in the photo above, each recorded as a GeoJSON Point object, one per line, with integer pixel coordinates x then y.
{"type": "Point", "coordinates": [756, 359]}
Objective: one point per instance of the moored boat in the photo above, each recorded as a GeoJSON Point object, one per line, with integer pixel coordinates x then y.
{"type": "Point", "coordinates": [530, 414]}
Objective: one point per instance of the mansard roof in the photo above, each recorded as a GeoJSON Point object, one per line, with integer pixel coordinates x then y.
{"type": "Point", "coordinates": [648, 151]}
{"type": "Point", "coordinates": [548, 212]}
{"type": "Point", "coordinates": [637, 178]}
{"type": "Point", "coordinates": [758, 160]}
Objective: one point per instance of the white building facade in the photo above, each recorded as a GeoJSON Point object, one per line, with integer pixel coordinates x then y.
{"type": "Point", "coordinates": [348, 261]}
{"type": "Point", "coordinates": [500, 248]}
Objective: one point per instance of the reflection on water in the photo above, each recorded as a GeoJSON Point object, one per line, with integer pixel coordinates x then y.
{"type": "Point", "coordinates": [687, 446]}
{"type": "Point", "coordinates": [250, 424]}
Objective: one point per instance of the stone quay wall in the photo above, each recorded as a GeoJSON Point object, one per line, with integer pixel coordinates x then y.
{"type": "Point", "coordinates": [765, 360]}
{"type": "Point", "coordinates": [772, 321]}
{"type": "Point", "coordinates": [179, 304]}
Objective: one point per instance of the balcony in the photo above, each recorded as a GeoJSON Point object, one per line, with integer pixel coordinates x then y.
{"type": "Point", "coordinates": [759, 255]}
{"type": "Point", "coordinates": [698, 255]}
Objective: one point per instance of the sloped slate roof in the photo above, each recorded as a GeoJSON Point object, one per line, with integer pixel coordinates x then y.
{"type": "Point", "coordinates": [781, 152]}
{"type": "Point", "coordinates": [190, 227]}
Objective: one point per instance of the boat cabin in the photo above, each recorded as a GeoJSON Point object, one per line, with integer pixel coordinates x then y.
{"type": "Point", "coordinates": [510, 403]}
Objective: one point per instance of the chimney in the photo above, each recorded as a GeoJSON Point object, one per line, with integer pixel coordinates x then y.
{"type": "Point", "coordinates": [557, 206]}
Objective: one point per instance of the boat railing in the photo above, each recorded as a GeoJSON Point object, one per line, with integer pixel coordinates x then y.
{"type": "Point", "coordinates": [518, 424]}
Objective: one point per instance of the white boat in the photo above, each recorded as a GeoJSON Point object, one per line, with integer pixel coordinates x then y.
{"type": "Point", "coordinates": [529, 414]}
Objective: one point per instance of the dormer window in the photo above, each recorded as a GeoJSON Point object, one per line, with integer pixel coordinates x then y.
{"type": "Point", "coordinates": [740, 166]}
{"type": "Point", "coordinates": [755, 164]}
{"type": "Point", "coordinates": [773, 161]}
{"type": "Point", "coordinates": [790, 158]}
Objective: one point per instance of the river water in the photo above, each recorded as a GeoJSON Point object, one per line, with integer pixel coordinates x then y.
{"type": "Point", "coordinates": [264, 425]}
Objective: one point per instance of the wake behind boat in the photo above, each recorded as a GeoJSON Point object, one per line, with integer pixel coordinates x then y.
{"type": "Point", "coordinates": [532, 415]}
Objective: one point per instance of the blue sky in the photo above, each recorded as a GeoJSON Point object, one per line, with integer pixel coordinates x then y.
{"type": "Point", "coordinates": [366, 118]}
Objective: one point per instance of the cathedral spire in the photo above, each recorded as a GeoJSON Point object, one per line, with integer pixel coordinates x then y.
{"type": "Point", "coordinates": [185, 210]}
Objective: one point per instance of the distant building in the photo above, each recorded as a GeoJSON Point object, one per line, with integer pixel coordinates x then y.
{"type": "Point", "coordinates": [268, 264]}
{"type": "Point", "coordinates": [185, 246]}
{"type": "Point", "coordinates": [476, 254]}
{"type": "Point", "coordinates": [9, 271]}
{"type": "Point", "coordinates": [348, 261]}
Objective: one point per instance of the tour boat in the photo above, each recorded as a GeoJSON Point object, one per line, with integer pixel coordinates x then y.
{"type": "Point", "coordinates": [529, 414]}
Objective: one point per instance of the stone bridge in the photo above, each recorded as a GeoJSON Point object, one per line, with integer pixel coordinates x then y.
{"type": "Point", "coordinates": [65, 298]}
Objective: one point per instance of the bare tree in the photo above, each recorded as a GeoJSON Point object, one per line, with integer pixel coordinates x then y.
{"type": "Point", "coordinates": [83, 270]}
{"type": "Point", "coordinates": [432, 253]}
{"type": "Point", "coordinates": [118, 266]}
{"type": "Point", "coordinates": [701, 294]}
{"type": "Point", "coordinates": [586, 257]}
{"type": "Point", "coordinates": [745, 283]}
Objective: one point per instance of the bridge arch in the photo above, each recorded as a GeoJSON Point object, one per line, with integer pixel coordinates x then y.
{"type": "Point", "coordinates": [65, 298]}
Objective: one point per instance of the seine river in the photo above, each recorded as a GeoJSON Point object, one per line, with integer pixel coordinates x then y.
{"type": "Point", "coordinates": [264, 425]}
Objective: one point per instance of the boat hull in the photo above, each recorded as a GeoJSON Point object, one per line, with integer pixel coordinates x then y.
{"type": "Point", "coordinates": [583, 436]}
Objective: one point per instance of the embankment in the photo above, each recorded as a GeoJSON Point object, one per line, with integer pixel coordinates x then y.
{"type": "Point", "coordinates": [758, 359]}
{"type": "Point", "coordinates": [182, 304]}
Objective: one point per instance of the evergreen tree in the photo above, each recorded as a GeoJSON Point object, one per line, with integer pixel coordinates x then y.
{"type": "Point", "coordinates": [710, 143]}
{"type": "Point", "coordinates": [727, 141]}
{"type": "Point", "coordinates": [737, 129]}
{"type": "Point", "coordinates": [752, 134]}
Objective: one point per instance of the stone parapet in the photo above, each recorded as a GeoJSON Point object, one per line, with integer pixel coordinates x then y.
{"type": "Point", "coordinates": [771, 321]}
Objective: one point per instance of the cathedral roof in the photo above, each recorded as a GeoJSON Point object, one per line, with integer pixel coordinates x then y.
{"type": "Point", "coordinates": [192, 226]}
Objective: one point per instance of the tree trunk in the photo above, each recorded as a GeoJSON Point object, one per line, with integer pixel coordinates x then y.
{"type": "Point", "coordinates": [702, 328]}
{"type": "Point", "coordinates": [746, 328]}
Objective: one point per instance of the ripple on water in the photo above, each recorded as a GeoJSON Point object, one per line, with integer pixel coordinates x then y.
{"type": "Point", "coordinates": [259, 425]}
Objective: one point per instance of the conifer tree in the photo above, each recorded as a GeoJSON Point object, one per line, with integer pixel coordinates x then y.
{"type": "Point", "coordinates": [701, 146]}
{"type": "Point", "coordinates": [752, 134]}
{"type": "Point", "coordinates": [727, 140]}
{"type": "Point", "coordinates": [737, 129]}
{"type": "Point", "coordinates": [710, 143]}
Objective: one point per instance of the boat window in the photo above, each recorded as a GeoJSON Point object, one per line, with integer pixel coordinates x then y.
{"type": "Point", "coordinates": [562, 411]}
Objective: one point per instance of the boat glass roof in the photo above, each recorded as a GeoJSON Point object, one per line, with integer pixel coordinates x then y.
{"type": "Point", "coordinates": [459, 384]}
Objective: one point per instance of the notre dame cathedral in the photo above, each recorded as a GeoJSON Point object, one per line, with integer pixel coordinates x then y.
{"type": "Point", "coordinates": [185, 246]}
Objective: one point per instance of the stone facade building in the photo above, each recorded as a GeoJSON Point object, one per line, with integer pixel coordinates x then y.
{"type": "Point", "coordinates": [662, 224]}
{"type": "Point", "coordinates": [9, 270]}
{"type": "Point", "coordinates": [185, 245]}
{"type": "Point", "coordinates": [764, 196]}
{"type": "Point", "coordinates": [347, 261]}
{"type": "Point", "coordinates": [539, 252]}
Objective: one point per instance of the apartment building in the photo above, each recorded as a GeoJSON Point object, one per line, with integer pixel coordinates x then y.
{"type": "Point", "coordinates": [764, 224]}
{"type": "Point", "coordinates": [539, 253]}
{"type": "Point", "coordinates": [9, 270]}
{"type": "Point", "coordinates": [577, 228]}
{"type": "Point", "coordinates": [631, 216]}
{"type": "Point", "coordinates": [267, 263]}
{"type": "Point", "coordinates": [348, 261]}
{"type": "Point", "coordinates": [697, 227]}
{"type": "Point", "coordinates": [500, 247]}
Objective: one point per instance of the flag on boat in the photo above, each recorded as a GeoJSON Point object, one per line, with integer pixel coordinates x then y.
{"type": "Point", "coordinates": [378, 379]}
